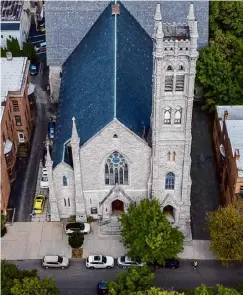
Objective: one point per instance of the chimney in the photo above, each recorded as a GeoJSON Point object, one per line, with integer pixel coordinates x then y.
{"type": "Point", "coordinates": [9, 55]}
{"type": "Point", "coordinates": [237, 154]}
{"type": "Point", "coordinates": [225, 115]}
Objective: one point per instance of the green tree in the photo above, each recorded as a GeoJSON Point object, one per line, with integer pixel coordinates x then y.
{"type": "Point", "coordinates": [29, 51]}
{"type": "Point", "coordinates": [147, 234]}
{"type": "Point", "coordinates": [226, 232]}
{"type": "Point", "coordinates": [131, 281]}
{"type": "Point", "coordinates": [13, 46]}
{"type": "Point", "coordinates": [34, 286]}
{"type": "Point", "coordinates": [76, 239]}
{"type": "Point", "coordinates": [10, 272]}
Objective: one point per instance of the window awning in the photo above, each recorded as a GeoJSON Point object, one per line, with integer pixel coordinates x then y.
{"type": "Point", "coordinates": [7, 146]}
{"type": "Point", "coordinates": [31, 88]}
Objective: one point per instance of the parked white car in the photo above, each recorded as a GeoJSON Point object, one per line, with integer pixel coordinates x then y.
{"type": "Point", "coordinates": [99, 261]}
{"type": "Point", "coordinates": [81, 227]}
{"type": "Point", "coordinates": [44, 179]}
{"type": "Point", "coordinates": [55, 261]}
{"type": "Point", "coordinates": [125, 262]}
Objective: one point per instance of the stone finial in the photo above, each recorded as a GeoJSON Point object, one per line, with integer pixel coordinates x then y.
{"type": "Point", "coordinates": [158, 16]}
{"type": "Point", "coordinates": [191, 16]}
{"type": "Point", "coordinates": [74, 129]}
{"type": "Point", "coordinates": [159, 33]}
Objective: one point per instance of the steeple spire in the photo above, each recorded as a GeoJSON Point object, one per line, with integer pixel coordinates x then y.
{"type": "Point", "coordinates": [159, 33]}
{"type": "Point", "coordinates": [74, 131]}
{"type": "Point", "coordinates": [158, 16]}
{"type": "Point", "coordinates": [191, 16]}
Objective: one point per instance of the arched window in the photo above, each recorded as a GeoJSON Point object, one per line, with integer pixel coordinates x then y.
{"type": "Point", "coordinates": [181, 68]}
{"type": "Point", "coordinates": [169, 213]}
{"type": "Point", "coordinates": [170, 181]}
{"type": "Point", "coordinates": [65, 202]}
{"type": "Point", "coordinates": [116, 169]}
{"type": "Point", "coordinates": [167, 115]}
{"type": "Point", "coordinates": [68, 202]}
{"type": "Point", "coordinates": [178, 113]}
{"type": "Point", "coordinates": [169, 68]}
{"type": "Point", "coordinates": [168, 156]}
{"type": "Point", "coordinates": [173, 156]}
{"type": "Point", "coordinates": [115, 136]}
{"type": "Point", "coordinates": [64, 181]}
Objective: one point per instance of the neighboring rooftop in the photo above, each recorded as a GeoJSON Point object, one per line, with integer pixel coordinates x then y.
{"type": "Point", "coordinates": [11, 10]}
{"type": "Point", "coordinates": [234, 112]}
{"type": "Point", "coordinates": [64, 31]}
{"type": "Point", "coordinates": [235, 133]}
{"type": "Point", "coordinates": [12, 74]}
{"type": "Point", "coordinates": [108, 75]}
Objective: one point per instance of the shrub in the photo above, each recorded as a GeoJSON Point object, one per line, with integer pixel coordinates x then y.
{"type": "Point", "coordinates": [76, 239]}
{"type": "Point", "coordinates": [90, 219]}
{"type": "Point", "coordinates": [72, 218]}
{"type": "Point", "coordinates": [3, 231]}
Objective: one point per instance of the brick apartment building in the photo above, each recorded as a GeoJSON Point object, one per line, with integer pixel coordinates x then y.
{"type": "Point", "coordinates": [16, 119]}
{"type": "Point", "coordinates": [228, 141]}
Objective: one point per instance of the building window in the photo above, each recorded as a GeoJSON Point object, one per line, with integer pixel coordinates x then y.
{"type": "Point", "coordinates": [18, 121]}
{"type": "Point", "coordinates": [169, 68]}
{"type": "Point", "coordinates": [180, 83]}
{"type": "Point", "coordinates": [170, 181]}
{"type": "Point", "coordinates": [21, 137]}
{"type": "Point", "coordinates": [116, 169]}
{"type": "Point", "coordinates": [181, 68]}
{"type": "Point", "coordinates": [168, 157]}
{"type": "Point", "coordinates": [168, 83]}
{"type": "Point", "coordinates": [167, 115]}
{"type": "Point", "coordinates": [68, 202]}
{"type": "Point", "coordinates": [15, 104]}
{"type": "Point", "coordinates": [65, 202]}
{"type": "Point", "coordinates": [93, 210]}
{"type": "Point", "coordinates": [173, 156]}
{"type": "Point", "coordinates": [2, 36]}
{"type": "Point", "coordinates": [64, 181]}
{"type": "Point", "coordinates": [178, 113]}
{"type": "Point", "coordinates": [115, 136]}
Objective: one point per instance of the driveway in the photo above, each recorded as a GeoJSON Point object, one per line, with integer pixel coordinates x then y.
{"type": "Point", "coordinates": [205, 193]}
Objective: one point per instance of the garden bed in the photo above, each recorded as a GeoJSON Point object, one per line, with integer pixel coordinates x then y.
{"type": "Point", "coordinates": [77, 253]}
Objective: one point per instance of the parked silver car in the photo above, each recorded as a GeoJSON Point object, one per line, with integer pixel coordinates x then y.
{"type": "Point", "coordinates": [125, 262]}
{"type": "Point", "coordinates": [56, 261]}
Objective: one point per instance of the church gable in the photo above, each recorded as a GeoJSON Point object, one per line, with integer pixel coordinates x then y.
{"type": "Point", "coordinates": [115, 138]}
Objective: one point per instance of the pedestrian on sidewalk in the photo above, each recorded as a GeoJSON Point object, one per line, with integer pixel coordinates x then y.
{"type": "Point", "coordinates": [195, 264]}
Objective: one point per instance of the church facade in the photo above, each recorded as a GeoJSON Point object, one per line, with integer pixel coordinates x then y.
{"type": "Point", "coordinates": [124, 123]}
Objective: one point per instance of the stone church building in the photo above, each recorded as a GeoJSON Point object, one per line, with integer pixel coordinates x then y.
{"type": "Point", "coordinates": [123, 130]}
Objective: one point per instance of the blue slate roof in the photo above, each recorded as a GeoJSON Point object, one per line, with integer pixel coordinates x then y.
{"type": "Point", "coordinates": [10, 26]}
{"type": "Point", "coordinates": [107, 76]}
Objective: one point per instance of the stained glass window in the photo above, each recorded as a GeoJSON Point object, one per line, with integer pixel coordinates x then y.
{"type": "Point", "coordinates": [116, 169]}
{"type": "Point", "coordinates": [170, 181]}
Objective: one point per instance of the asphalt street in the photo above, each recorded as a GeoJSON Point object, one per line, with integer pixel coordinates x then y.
{"type": "Point", "coordinates": [78, 280]}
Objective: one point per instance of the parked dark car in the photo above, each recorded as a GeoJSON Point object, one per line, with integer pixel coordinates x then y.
{"type": "Point", "coordinates": [33, 69]}
{"type": "Point", "coordinates": [169, 263]}
{"type": "Point", "coordinates": [51, 129]}
{"type": "Point", "coordinates": [102, 288]}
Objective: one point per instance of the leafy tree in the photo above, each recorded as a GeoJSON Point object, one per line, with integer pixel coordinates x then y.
{"type": "Point", "coordinates": [10, 272]}
{"type": "Point", "coordinates": [219, 70]}
{"type": "Point", "coordinates": [147, 233]}
{"type": "Point", "coordinates": [13, 46]}
{"type": "Point", "coordinates": [76, 239]}
{"type": "Point", "coordinates": [226, 232]}
{"type": "Point", "coordinates": [133, 280]}
{"type": "Point", "coordinates": [204, 290]}
{"type": "Point", "coordinates": [29, 51]}
{"type": "Point", "coordinates": [34, 286]}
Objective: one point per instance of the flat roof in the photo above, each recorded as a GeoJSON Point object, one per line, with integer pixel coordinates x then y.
{"type": "Point", "coordinates": [235, 133]}
{"type": "Point", "coordinates": [234, 112]}
{"type": "Point", "coordinates": [12, 76]}
{"type": "Point", "coordinates": [11, 10]}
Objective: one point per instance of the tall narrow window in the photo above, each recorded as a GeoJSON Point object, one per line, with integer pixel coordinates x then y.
{"type": "Point", "coordinates": [169, 79]}
{"type": "Point", "coordinates": [18, 121]}
{"type": "Point", "coordinates": [64, 181]}
{"type": "Point", "coordinates": [180, 83]}
{"type": "Point", "coordinates": [116, 169]}
{"type": "Point", "coordinates": [173, 156]}
{"type": "Point", "coordinates": [65, 202]}
{"type": "Point", "coordinates": [167, 115]}
{"type": "Point", "coordinates": [170, 181]}
{"type": "Point", "coordinates": [68, 202]}
{"type": "Point", "coordinates": [168, 156]}
{"type": "Point", "coordinates": [178, 113]}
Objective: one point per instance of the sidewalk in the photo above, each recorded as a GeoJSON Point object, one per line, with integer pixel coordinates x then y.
{"type": "Point", "coordinates": [33, 240]}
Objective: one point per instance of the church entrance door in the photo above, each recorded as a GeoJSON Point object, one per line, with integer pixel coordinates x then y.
{"type": "Point", "coordinates": [117, 207]}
